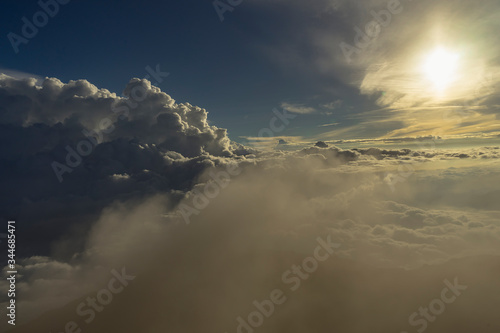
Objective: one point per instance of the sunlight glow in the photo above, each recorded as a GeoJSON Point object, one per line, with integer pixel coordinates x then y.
{"type": "Point", "coordinates": [440, 67]}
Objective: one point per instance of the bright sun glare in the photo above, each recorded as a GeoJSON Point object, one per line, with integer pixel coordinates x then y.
{"type": "Point", "coordinates": [440, 67]}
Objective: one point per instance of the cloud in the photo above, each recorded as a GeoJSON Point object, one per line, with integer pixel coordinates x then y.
{"type": "Point", "coordinates": [19, 74]}
{"type": "Point", "coordinates": [297, 108]}
{"type": "Point", "coordinates": [267, 219]}
{"type": "Point", "coordinates": [385, 72]}
{"type": "Point", "coordinates": [145, 136]}
{"type": "Point", "coordinates": [332, 105]}
{"type": "Point", "coordinates": [120, 209]}
{"type": "Point", "coordinates": [327, 125]}
{"type": "Point", "coordinates": [269, 143]}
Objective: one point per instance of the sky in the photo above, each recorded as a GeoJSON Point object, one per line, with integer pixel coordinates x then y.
{"type": "Point", "coordinates": [250, 166]}
{"type": "Point", "coordinates": [280, 54]}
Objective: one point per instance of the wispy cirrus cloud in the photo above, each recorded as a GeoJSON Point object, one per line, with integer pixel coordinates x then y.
{"type": "Point", "coordinates": [328, 125]}
{"type": "Point", "coordinates": [387, 73]}
{"type": "Point", "coordinates": [297, 108]}
{"type": "Point", "coordinates": [332, 105]}
{"type": "Point", "coordinates": [20, 74]}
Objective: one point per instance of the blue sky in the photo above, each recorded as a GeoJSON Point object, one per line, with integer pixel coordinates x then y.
{"type": "Point", "coordinates": [264, 55]}
{"type": "Point", "coordinates": [216, 65]}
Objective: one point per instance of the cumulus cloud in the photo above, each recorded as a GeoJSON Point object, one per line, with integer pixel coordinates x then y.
{"type": "Point", "coordinates": [72, 140]}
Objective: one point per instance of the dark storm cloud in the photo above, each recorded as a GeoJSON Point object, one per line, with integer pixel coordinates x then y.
{"type": "Point", "coordinates": [153, 142]}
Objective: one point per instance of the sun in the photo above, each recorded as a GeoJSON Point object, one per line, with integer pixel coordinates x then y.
{"type": "Point", "coordinates": [440, 67]}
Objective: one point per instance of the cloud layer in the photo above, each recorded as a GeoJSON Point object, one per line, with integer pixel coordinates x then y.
{"type": "Point", "coordinates": [406, 220]}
